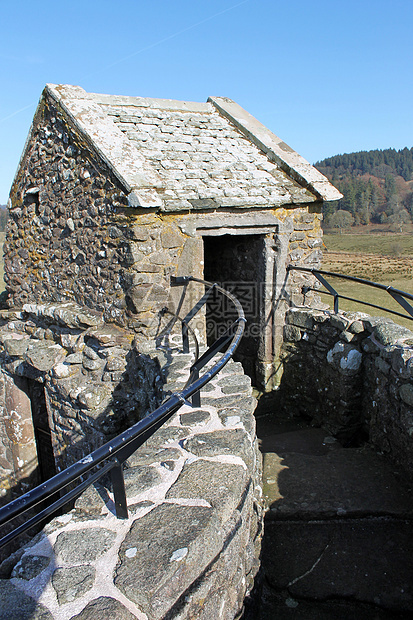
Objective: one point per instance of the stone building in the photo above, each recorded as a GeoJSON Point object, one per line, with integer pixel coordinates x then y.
{"type": "Point", "coordinates": [115, 194]}
{"type": "Point", "coordinates": [112, 197]}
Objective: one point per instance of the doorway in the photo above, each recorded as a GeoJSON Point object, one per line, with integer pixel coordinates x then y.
{"type": "Point", "coordinates": [237, 263]}
{"type": "Point", "coordinates": [42, 434]}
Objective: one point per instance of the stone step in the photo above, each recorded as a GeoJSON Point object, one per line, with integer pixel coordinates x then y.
{"type": "Point", "coordinates": [338, 527]}
{"type": "Point", "coordinates": [308, 475]}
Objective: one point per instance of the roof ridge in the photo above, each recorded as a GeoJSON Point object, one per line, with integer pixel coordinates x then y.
{"type": "Point", "coordinates": [149, 102]}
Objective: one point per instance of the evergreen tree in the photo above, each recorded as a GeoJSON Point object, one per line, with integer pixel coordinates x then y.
{"type": "Point", "coordinates": [372, 183]}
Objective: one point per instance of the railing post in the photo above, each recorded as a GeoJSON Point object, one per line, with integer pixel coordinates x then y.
{"type": "Point", "coordinates": [400, 300]}
{"type": "Point", "coordinates": [185, 338]}
{"type": "Point", "coordinates": [119, 493]}
{"type": "Point", "coordinates": [196, 398]}
{"type": "Point", "coordinates": [328, 286]}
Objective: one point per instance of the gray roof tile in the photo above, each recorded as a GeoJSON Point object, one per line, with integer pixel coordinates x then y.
{"type": "Point", "coordinates": [230, 156]}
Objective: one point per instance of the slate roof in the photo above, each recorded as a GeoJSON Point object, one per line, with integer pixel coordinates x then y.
{"type": "Point", "coordinates": [177, 155]}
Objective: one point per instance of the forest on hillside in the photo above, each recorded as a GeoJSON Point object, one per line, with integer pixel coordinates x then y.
{"type": "Point", "coordinates": [377, 188]}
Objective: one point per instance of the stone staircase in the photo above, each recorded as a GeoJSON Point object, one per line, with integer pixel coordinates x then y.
{"type": "Point", "coordinates": [338, 529]}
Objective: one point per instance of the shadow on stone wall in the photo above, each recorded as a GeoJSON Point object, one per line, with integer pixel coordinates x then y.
{"type": "Point", "coordinates": [92, 395]}
{"type": "Point", "coordinates": [30, 555]}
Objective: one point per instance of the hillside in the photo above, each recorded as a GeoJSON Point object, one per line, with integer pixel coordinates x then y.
{"type": "Point", "coordinates": [377, 187]}
{"type": "Point", "coordinates": [3, 217]}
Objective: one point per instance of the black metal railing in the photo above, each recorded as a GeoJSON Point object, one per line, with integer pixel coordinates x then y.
{"type": "Point", "coordinates": [110, 457]}
{"type": "Point", "coordinates": [400, 297]}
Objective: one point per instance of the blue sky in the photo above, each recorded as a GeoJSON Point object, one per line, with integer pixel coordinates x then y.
{"type": "Point", "coordinates": [326, 76]}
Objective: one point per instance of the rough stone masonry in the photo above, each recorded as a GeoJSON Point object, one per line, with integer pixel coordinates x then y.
{"type": "Point", "coordinates": [190, 549]}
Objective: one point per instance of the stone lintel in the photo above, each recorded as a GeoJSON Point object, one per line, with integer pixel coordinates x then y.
{"type": "Point", "coordinates": [237, 224]}
{"type": "Point", "coordinates": [289, 160]}
{"type": "Point", "coordinates": [218, 232]}
{"type": "Point", "coordinates": [102, 134]}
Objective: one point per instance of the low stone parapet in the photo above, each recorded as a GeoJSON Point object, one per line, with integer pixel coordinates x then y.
{"type": "Point", "coordinates": [190, 547]}
{"type": "Point", "coordinates": [352, 374]}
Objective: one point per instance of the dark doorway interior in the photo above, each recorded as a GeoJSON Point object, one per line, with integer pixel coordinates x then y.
{"type": "Point", "coordinates": [42, 433]}
{"type": "Point", "coordinates": [237, 262]}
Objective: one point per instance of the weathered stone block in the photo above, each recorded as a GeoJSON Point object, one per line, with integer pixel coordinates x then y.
{"type": "Point", "coordinates": [83, 545]}
{"type": "Point", "coordinates": [292, 333]}
{"type": "Point", "coordinates": [171, 239]}
{"type": "Point", "coordinates": [104, 607]}
{"type": "Point", "coordinates": [356, 327]}
{"type": "Point", "coordinates": [15, 346]}
{"type": "Point", "coordinates": [194, 418]}
{"type": "Point", "coordinates": [347, 336]}
{"type": "Point", "coordinates": [139, 479]}
{"type": "Point", "coordinates": [390, 333]}
{"type": "Point", "coordinates": [406, 393]}
{"type": "Point", "coordinates": [221, 443]}
{"type": "Point", "coordinates": [140, 233]}
{"type": "Point", "coordinates": [152, 576]}
{"type": "Point", "coordinates": [71, 583]}
{"type": "Point", "coordinates": [345, 357]}
{"type": "Point", "coordinates": [30, 566]}
{"type": "Point", "coordinates": [194, 482]}
{"type": "Point", "coordinates": [43, 356]}
{"type": "Point", "coordinates": [339, 322]}
{"type": "Point", "coordinates": [300, 318]}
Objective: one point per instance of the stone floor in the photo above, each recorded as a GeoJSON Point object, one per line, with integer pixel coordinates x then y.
{"type": "Point", "coordinates": [338, 529]}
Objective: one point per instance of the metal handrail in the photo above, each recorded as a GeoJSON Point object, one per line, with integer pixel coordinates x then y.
{"type": "Point", "coordinates": [111, 456]}
{"type": "Point", "coordinates": [396, 294]}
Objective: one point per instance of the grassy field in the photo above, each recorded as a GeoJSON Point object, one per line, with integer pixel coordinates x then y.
{"type": "Point", "coordinates": [385, 258]}
{"type": "Point", "coordinates": [391, 244]}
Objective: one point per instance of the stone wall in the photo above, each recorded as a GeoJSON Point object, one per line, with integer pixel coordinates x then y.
{"type": "Point", "coordinates": [190, 547]}
{"type": "Point", "coordinates": [62, 237]}
{"type": "Point", "coordinates": [95, 380]}
{"type": "Point", "coordinates": [72, 237]}
{"type": "Point", "coordinates": [352, 374]}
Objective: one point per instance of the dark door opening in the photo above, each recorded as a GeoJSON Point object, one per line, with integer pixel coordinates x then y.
{"type": "Point", "coordinates": [237, 262]}
{"type": "Point", "coordinates": [45, 455]}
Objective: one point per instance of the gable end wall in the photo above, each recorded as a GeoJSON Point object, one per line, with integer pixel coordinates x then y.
{"type": "Point", "coordinates": [66, 239]}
